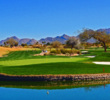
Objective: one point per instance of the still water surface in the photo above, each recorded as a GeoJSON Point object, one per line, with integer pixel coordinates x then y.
{"type": "Point", "coordinates": [99, 92]}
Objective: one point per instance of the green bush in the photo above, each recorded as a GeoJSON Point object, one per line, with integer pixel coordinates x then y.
{"type": "Point", "coordinates": [45, 54]}
{"type": "Point", "coordinates": [65, 51]}
{"type": "Point", "coordinates": [78, 52]}
{"type": "Point", "coordinates": [58, 51]}
{"type": "Point", "coordinates": [69, 51]}
{"type": "Point", "coordinates": [55, 51]}
{"type": "Point", "coordinates": [52, 54]}
{"type": "Point", "coordinates": [67, 54]}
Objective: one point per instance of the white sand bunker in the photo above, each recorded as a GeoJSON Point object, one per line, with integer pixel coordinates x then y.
{"type": "Point", "coordinates": [84, 52]}
{"type": "Point", "coordinates": [90, 56]}
{"type": "Point", "coordinates": [102, 63]}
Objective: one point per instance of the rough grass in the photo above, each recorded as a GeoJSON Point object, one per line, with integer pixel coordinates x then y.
{"type": "Point", "coordinates": [6, 50]}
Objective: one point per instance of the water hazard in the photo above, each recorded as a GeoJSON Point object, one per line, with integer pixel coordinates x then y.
{"type": "Point", "coordinates": [89, 90]}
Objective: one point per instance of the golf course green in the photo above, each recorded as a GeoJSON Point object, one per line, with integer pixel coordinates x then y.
{"type": "Point", "coordinates": [25, 63]}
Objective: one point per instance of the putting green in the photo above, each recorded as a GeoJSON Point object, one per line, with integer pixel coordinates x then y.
{"type": "Point", "coordinates": [40, 61]}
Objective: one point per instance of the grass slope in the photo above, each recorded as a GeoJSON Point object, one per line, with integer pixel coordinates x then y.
{"type": "Point", "coordinates": [24, 63]}
{"type": "Point", "coordinates": [55, 68]}
{"type": "Point", "coordinates": [99, 53]}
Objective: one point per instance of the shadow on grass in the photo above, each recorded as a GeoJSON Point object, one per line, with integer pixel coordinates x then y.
{"type": "Point", "coordinates": [56, 68]}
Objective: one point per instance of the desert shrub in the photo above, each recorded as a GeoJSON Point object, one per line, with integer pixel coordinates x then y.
{"type": "Point", "coordinates": [25, 46]}
{"type": "Point", "coordinates": [67, 54]}
{"type": "Point", "coordinates": [36, 46]}
{"type": "Point", "coordinates": [45, 54]}
{"type": "Point", "coordinates": [69, 51]}
{"type": "Point", "coordinates": [77, 52]}
{"type": "Point", "coordinates": [56, 51]}
{"type": "Point", "coordinates": [52, 54]}
{"type": "Point", "coordinates": [53, 51]}
{"type": "Point", "coordinates": [63, 51]}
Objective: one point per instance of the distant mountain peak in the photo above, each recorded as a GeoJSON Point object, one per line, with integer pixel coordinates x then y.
{"type": "Point", "coordinates": [64, 35]}
{"type": "Point", "coordinates": [13, 37]}
{"type": "Point", "coordinates": [107, 30]}
{"type": "Point", "coordinates": [63, 38]}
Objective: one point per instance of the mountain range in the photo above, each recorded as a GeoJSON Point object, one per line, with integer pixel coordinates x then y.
{"type": "Point", "coordinates": [20, 41]}
{"type": "Point", "coordinates": [106, 30]}
{"type": "Point", "coordinates": [28, 41]}
{"type": "Point", "coordinates": [62, 39]}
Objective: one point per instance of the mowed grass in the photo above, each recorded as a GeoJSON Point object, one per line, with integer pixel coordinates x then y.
{"type": "Point", "coordinates": [6, 50]}
{"type": "Point", "coordinates": [55, 69]}
{"type": "Point", "coordinates": [24, 63]}
{"type": "Point", "coordinates": [99, 53]}
{"type": "Point", "coordinates": [40, 61]}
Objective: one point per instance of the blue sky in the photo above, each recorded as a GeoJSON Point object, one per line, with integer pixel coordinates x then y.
{"type": "Point", "coordinates": [44, 18]}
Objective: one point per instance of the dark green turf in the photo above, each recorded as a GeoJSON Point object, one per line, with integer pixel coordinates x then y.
{"type": "Point", "coordinates": [56, 68]}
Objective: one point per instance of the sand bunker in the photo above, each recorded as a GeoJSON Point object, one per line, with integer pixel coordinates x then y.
{"type": "Point", "coordinates": [102, 63]}
{"type": "Point", "coordinates": [90, 56]}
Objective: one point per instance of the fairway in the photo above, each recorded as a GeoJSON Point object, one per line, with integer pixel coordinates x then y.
{"type": "Point", "coordinates": [24, 63]}
{"type": "Point", "coordinates": [39, 61]}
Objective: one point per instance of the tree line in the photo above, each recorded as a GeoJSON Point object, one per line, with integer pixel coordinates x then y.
{"type": "Point", "coordinates": [101, 37]}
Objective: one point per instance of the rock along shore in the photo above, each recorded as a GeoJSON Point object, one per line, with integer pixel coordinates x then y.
{"type": "Point", "coordinates": [77, 77]}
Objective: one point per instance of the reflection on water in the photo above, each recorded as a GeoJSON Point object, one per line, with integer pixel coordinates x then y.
{"type": "Point", "coordinates": [88, 90]}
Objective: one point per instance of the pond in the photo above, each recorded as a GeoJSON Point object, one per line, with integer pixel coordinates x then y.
{"type": "Point", "coordinates": [55, 91]}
